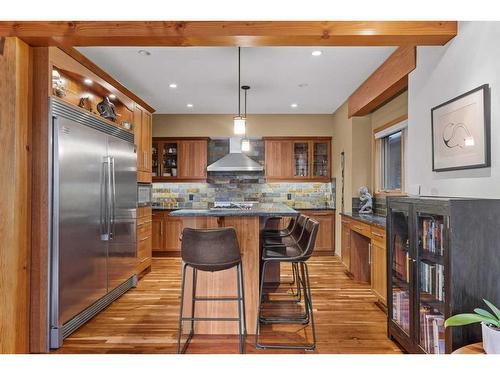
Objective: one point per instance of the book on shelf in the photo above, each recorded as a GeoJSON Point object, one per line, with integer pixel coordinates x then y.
{"type": "Point", "coordinates": [432, 279]}
{"type": "Point", "coordinates": [432, 233]}
{"type": "Point", "coordinates": [401, 309]}
{"type": "Point", "coordinates": [401, 261]}
{"type": "Point", "coordinates": [432, 332]}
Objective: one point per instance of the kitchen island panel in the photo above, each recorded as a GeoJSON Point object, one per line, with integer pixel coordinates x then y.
{"type": "Point", "coordinates": [224, 283]}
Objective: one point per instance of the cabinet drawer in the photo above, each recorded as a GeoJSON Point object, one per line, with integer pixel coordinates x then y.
{"type": "Point", "coordinates": [378, 236]}
{"type": "Point", "coordinates": [361, 228]}
{"type": "Point", "coordinates": [144, 248]}
{"type": "Point", "coordinates": [144, 230]}
{"type": "Point", "coordinates": [144, 212]}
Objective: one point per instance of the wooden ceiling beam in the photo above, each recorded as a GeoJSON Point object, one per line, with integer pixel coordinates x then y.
{"type": "Point", "coordinates": [231, 33]}
{"type": "Point", "coordinates": [387, 81]}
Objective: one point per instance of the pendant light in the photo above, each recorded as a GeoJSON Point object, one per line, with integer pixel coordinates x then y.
{"type": "Point", "coordinates": [239, 121]}
{"type": "Point", "coordinates": [245, 142]}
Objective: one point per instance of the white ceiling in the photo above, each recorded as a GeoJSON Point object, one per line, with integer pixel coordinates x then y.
{"type": "Point", "coordinates": [207, 76]}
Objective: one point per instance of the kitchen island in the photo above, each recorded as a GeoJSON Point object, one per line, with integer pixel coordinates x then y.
{"type": "Point", "coordinates": [247, 223]}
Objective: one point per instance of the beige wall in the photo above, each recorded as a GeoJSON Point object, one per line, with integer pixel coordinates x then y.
{"type": "Point", "coordinates": [353, 137]}
{"type": "Point", "coordinates": [257, 125]}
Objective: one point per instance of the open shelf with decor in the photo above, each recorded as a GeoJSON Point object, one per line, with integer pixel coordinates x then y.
{"type": "Point", "coordinates": [435, 252]}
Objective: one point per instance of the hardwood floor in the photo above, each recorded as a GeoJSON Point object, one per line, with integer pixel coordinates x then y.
{"type": "Point", "coordinates": [144, 320]}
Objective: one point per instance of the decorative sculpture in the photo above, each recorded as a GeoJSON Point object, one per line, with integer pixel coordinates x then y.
{"type": "Point", "coordinates": [107, 109]}
{"type": "Point", "coordinates": [85, 103]}
{"type": "Point", "coordinates": [58, 84]}
{"type": "Point", "coordinates": [366, 201]}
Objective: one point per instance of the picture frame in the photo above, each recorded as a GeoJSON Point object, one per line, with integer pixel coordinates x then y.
{"type": "Point", "coordinates": [460, 131]}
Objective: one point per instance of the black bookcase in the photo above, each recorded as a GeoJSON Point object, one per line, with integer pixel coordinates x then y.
{"type": "Point", "coordinates": [444, 257]}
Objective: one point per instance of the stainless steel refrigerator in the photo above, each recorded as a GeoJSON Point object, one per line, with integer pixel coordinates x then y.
{"type": "Point", "coordinates": [93, 211]}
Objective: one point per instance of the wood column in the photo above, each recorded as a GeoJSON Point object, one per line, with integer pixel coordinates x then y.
{"type": "Point", "coordinates": [15, 167]}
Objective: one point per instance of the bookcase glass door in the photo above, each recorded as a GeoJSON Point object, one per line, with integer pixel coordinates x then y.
{"type": "Point", "coordinates": [301, 156]}
{"type": "Point", "coordinates": [431, 282]}
{"type": "Point", "coordinates": [400, 270]}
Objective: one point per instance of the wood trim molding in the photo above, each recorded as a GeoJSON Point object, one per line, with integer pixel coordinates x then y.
{"type": "Point", "coordinates": [388, 81]}
{"type": "Point", "coordinates": [397, 120]}
{"type": "Point", "coordinates": [231, 33]}
{"type": "Point", "coordinates": [15, 169]}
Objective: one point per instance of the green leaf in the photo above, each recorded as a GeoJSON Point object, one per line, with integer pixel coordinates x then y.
{"type": "Point", "coordinates": [493, 308]}
{"type": "Point", "coordinates": [463, 319]}
{"type": "Point", "coordinates": [485, 313]}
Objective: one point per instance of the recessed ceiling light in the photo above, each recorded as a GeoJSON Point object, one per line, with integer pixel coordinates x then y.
{"type": "Point", "coordinates": [301, 85]}
{"type": "Point", "coordinates": [294, 105]}
{"type": "Point", "coordinates": [316, 53]}
{"type": "Point", "coordinates": [173, 85]}
{"type": "Point", "coordinates": [112, 96]}
{"type": "Point", "coordinates": [87, 81]}
{"type": "Point", "coordinates": [143, 52]}
{"type": "Point", "coordinates": [189, 105]}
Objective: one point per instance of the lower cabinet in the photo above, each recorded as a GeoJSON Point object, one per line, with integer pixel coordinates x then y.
{"type": "Point", "coordinates": [144, 233]}
{"type": "Point", "coordinates": [166, 232]}
{"type": "Point", "coordinates": [353, 254]}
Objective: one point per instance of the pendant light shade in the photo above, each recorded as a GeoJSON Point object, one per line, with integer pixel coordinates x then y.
{"type": "Point", "coordinates": [245, 142]}
{"type": "Point", "coordinates": [239, 125]}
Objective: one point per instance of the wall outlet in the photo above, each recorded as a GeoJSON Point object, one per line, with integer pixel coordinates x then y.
{"type": "Point", "coordinates": [289, 196]}
{"type": "Point", "coordinates": [191, 197]}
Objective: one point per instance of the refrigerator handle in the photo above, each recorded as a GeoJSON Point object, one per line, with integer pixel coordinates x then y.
{"type": "Point", "coordinates": [113, 198]}
{"type": "Point", "coordinates": [105, 199]}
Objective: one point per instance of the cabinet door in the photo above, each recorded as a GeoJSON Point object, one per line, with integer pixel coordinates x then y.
{"type": "Point", "coordinates": [139, 137]}
{"type": "Point", "coordinates": [193, 159]}
{"type": "Point", "coordinates": [146, 134]}
{"type": "Point", "coordinates": [173, 230]}
{"type": "Point", "coordinates": [379, 271]}
{"type": "Point", "coordinates": [155, 160]}
{"type": "Point", "coordinates": [320, 159]}
{"type": "Point", "coordinates": [158, 233]}
{"type": "Point", "coordinates": [346, 245]}
{"type": "Point", "coordinates": [278, 159]}
{"type": "Point", "coordinates": [301, 159]}
{"type": "Point", "coordinates": [325, 237]}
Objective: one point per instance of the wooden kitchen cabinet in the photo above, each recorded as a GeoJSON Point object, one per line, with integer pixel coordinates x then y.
{"type": "Point", "coordinates": [379, 271]}
{"type": "Point", "coordinates": [144, 239]}
{"type": "Point", "coordinates": [325, 240]}
{"type": "Point", "coordinates": [166, 232]}
{"type": "Point", "coordinates": [143, 133]}
{"type": "Point", "coordinates": [345, 252]}
{"type": "Point", "coordinates": [298, 158]}
{"type": "Point", "coordinates": [179, 159]}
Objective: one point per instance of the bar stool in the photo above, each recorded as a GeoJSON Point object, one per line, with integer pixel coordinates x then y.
{"type": "Point", "coordinates": [279, 242]}
{"type": "Point", "coordinates": [298, 253]}
{"type": "Point", "coordinates": [211, 250]}
{"type": "Point", "coordinates": [280, 232]}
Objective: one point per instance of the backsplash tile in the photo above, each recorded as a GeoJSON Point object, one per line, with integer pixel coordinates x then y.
{"type": "Point", "coordinates": [302, 195]}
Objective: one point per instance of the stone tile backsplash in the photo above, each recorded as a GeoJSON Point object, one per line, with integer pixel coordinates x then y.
{"type": "Point", "coordinates": [199, 195]}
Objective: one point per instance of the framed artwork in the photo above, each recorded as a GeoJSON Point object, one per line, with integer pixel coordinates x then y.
{"type": "Point", "coordinates": [461, 132]}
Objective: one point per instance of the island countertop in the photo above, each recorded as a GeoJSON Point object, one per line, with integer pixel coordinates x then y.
{"type": "Point", "coordinates": [258, 209]}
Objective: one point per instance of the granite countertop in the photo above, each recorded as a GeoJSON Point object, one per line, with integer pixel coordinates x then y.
{"type": "Point", "coordinates": [259, 209]}
{"type": "Point", "coordinates": [367, 218]}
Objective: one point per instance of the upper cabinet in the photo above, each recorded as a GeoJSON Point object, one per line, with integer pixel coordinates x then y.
{"type": "Point", "coordinates": [143, 132]}
{"type": "Point", "coordinates": [298, 158]}
{"type": "Point", "coordinates": [179, 159]}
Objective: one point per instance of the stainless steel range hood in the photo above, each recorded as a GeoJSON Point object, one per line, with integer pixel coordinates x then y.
{"type": "Point", "coordinates": [235, 161]}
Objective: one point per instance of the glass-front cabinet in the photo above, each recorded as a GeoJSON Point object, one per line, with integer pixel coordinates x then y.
{"type": "Point", "coordinates": [301, 159]}
{"type": "Point", "coordinates": [321, 157]}
{"type": "Point", "coordinates": [401, 269]}
{"type": "Point", "coordinates": [432, 250]}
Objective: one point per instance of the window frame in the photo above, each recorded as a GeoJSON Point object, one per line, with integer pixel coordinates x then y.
{"type": "Point", "coordinates": [378, 159]}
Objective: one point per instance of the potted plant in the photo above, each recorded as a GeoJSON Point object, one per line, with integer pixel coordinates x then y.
{"type": "Point", "coordinates": [490, 324]}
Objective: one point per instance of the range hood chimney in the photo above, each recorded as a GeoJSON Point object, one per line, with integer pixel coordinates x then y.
{"type": "Point", "coordinates": [235, 161]}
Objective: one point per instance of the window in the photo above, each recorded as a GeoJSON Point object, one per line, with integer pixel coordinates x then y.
{"type": "Point", "coordinates": [391, 162]}
{"type": "Point", "coordinates": [389, 158]}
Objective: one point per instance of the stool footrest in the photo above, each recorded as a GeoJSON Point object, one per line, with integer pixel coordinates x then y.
{"type": "Point", "coordinates": [217, 299]}
{"type": "Point", "coordinates": [211, 319]}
